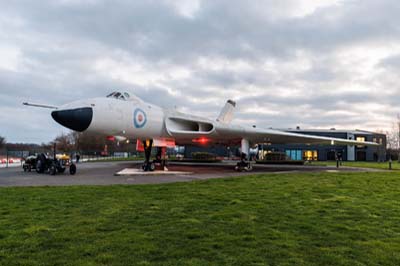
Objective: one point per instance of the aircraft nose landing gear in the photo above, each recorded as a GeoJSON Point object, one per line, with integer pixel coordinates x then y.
{"type": "Point", "coordinates": [148, 166]}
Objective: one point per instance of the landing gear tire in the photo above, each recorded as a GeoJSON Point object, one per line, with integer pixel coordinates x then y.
{"type": "Point", "coordinates": [243, 167]}
{"type": "Point", "coordinates": [148, 167]}
{"type": "Point", "coordinates": [248, 168]}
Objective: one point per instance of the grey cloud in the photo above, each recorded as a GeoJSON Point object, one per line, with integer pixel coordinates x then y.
{"type": "Point", "coordinates": [59, 44]}
{"type": "Point", "coordinates": [392, 62]}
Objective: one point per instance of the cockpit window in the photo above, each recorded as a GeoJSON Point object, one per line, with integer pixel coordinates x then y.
{"type": "Point", "coordinates": [119, 95]}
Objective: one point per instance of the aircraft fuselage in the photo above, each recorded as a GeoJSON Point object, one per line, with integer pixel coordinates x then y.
{"type": "Point", "coordinates": [112, 117]}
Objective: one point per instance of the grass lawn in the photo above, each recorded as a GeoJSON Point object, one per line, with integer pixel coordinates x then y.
{"type": "Point", "coordinates": [285, 219]}
{"type": "Point", "coordinates": [375, 165]}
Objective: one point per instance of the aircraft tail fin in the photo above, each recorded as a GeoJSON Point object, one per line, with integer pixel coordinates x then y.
{"type": "Point", "coordinates": [226, 115]}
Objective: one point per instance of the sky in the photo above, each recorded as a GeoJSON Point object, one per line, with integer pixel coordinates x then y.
{"type": "Point", "coordinates": [311, 63]}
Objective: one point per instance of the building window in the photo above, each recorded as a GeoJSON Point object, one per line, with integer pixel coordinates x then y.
{"type": "Point", "coordinates": [360, 139]}
{"type": "Point", "coordinates": [272, 156]}
{"type": "Point", "coordinates": [310, 155]}
{"type": "Point", "coordinates": [295, 155]}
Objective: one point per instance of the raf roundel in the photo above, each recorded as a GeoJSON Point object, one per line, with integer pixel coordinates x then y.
{"type": "Point", "coordinates": [139, 118]}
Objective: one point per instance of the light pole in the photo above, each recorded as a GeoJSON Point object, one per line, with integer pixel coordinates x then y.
{"type": "Point", "coordinates": [6, 157]}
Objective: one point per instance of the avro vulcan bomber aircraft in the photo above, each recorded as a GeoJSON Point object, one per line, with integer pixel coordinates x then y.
{"type": "Point", "coordinates": [122, 116]}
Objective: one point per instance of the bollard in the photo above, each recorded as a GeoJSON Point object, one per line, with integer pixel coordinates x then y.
{"type": "Point", "coordinates": [390, 164]}
{"type": "Point", "coordinates": [337, 163]}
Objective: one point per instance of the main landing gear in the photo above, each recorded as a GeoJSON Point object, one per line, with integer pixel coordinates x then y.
{"type": "Point", "coordinates": [148, 166]}
{"type": "Point", "coordinates": [159, 163]}
{"type": "Point", "coordinates": [243, 165]}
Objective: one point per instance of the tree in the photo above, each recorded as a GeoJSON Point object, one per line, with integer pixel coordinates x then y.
{"type": "Point", "coordinates": [384, 146]}
{"type": "Point", "coordinates": [393, 139]}
{"type": "Point", "coordinates": [88, 142]}
{"type": "Point", "coordinates": [397, 136]}
{"type": "Point", "coordinates": [2, 142]}
{"type": "Point", "coordinates": [65, 142]}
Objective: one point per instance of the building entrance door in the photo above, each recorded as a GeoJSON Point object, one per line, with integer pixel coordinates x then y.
{"type": "Point", "coordinates": [361, 156]}
{"type": "Point", "coordinates": [331, 156]}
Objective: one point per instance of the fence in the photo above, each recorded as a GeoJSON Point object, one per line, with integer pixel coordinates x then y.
{"type": "Point", "coordinates": [99, 156]}
{"type": "Point", "coordinates": [12, 158]}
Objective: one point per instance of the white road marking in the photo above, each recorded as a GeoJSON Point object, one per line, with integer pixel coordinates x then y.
{"type": "Point", "coordinates": [134, 171]}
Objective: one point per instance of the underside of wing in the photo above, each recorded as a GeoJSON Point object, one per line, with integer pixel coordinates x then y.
{"type": "Point", "coordinates": [282, 137]}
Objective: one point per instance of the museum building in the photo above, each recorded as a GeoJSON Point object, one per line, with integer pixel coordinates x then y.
{"type": "Point", "coordinates": [303, 152]}
{"type": "Point", "coordinates": [330, 153]}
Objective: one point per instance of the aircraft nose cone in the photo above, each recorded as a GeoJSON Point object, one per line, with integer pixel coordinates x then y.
{"type": "Point", "coordinates": [76, 119]}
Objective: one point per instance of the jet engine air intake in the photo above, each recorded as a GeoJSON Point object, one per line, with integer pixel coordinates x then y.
{"type": "Point", "coordinates": [180, 125]}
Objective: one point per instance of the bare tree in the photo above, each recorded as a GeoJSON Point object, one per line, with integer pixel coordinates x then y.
{"type": "Point", "coordinates": [65, 142]}
{"type": "Point", "coordinates": [393, 138]}
{"type": "Point", "coordinates": [383, 148]}
{"type": "Point", "coordinates": [397, 137]}
{"type": "Point", "coordinates": [2, 142]}
{"type": "Point", "coordinates": [88, 142]}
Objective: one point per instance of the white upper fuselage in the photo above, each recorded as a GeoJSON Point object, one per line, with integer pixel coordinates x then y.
{"type": "Point", "coordinates": [113, 117]}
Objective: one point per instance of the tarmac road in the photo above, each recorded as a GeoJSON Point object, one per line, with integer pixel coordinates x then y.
{"type": "Point", "coordinates": [103, 173]}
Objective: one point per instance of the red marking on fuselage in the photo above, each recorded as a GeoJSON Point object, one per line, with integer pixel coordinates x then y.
{"type": "Point", "coordinates": [140, 117]}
